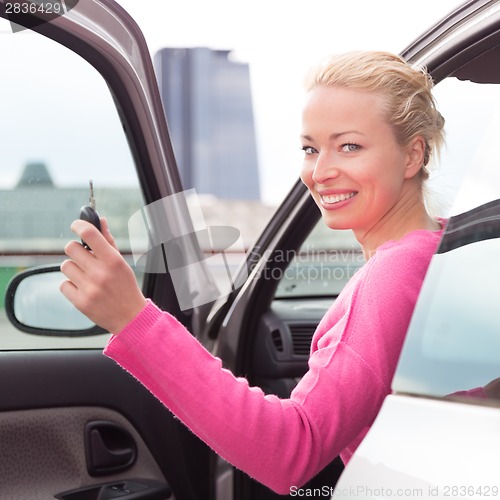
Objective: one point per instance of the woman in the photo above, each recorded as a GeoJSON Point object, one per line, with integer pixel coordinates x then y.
{"type": "Point", "coordinates": [370, 127]}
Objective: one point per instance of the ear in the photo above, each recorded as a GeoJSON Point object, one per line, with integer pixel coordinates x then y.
{"type": "Point", "coordinates": [415, 156]}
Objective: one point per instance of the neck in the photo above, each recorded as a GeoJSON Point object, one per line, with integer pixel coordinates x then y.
{"type": "Point", "coordinates": [408, 215]}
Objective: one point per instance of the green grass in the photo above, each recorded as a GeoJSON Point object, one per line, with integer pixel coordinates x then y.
{"type": "Point", "coordinates": [6, 274]}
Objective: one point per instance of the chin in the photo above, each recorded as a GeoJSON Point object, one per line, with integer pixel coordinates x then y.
{"type": "Point", "coordinates": [335, 223]}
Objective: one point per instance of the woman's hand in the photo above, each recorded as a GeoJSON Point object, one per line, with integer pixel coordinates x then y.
{"type": "Point", "coordinates": [100, 283]}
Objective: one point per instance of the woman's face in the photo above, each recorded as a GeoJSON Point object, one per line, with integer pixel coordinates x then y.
{"type": "Point", "coordinates": [353, 165]}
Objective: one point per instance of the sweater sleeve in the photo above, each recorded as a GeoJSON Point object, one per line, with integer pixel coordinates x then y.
{"type": "Point", "coordinates": [279, 442]}
{"type": "Point", "coordinates": [260, 434]}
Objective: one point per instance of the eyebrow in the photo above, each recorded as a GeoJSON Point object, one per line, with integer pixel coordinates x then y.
{"type": "Point", "coordinates": [335, 135]}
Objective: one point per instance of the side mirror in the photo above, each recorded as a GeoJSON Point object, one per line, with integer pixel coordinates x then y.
{"type": "Point", "coordinates": [34, 304]}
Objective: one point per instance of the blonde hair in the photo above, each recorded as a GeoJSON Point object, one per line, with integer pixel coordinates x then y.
{"type": "Point", "coordinates": [406, 93]}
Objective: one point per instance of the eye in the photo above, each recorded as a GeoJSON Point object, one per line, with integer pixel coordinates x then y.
{"type": "Point", "coordinates": [349, 147]}
{"type": "Point", "coordinates": [309, 150]}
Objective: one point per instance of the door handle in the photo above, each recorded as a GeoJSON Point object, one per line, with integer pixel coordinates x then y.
{"type": "Point", "coordinates": [109, 448]}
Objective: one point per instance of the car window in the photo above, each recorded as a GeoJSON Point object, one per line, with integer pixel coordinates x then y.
{"type": "Point", "coordinates": [59, 129]}
{"type": "Point", "coordinates": [454, 338]}
{"type": "Point", "coordinates": [322, 266]}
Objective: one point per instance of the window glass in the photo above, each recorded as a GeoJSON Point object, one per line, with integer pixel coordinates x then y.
{"type": "Point", "coordinates": [454, 338]}
{"type": "Point", "coordinates": [323, 265]}
{"type": "Point", "coordinates": [59, 129]}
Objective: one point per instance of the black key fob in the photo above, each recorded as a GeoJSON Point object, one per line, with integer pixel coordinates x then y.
{"type": "Point", "coordinates": [90, 215]}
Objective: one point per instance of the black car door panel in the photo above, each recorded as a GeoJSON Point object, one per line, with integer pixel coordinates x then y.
{"type": "Point", "coordinates": [49, 446]}
{"type": "Point", "coordinates": [73, 425]}
{"type": "Point", "coordinates": [62, 411]}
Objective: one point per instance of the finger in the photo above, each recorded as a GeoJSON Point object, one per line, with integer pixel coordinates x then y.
{"type": "Point", "coordinates": [93, 237]}
{"type": "Point", "coordinates": [78, 254]}
{"type": "Point", "coordinates": [107, 233]}
{"type": "Point", "coordinates": [72, 271]}
{"type": "Point", "coordinates": [69, 290]}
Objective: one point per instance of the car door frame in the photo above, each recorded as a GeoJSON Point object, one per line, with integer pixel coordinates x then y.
{"type": "Point", "coordinates": [74, 377]}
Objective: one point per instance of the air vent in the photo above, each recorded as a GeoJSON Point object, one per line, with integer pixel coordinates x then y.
{"type": "Point", "coordinates": [277, 340]}
{"type": "Point", "coordinates": [301, 338]}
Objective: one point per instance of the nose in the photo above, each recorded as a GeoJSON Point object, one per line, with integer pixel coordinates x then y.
{"type": "Point", "coordinates": [324, 169]}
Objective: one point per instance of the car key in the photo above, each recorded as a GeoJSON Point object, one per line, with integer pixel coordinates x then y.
{"type": "Point", "coordinates": [89, 213]}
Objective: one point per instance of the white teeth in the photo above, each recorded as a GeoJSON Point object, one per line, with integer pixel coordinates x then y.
{"type": "Point", "coordinates": [336, 198]}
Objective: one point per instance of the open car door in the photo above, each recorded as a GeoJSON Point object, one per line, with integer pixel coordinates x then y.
{"type": "Point", "coordinates": [81, 102]}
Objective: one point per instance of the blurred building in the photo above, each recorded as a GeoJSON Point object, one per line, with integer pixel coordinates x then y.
{"type": "Point", "coordinates": [37, 214]}
{"type": "Point", "coordinates": [208, 105]}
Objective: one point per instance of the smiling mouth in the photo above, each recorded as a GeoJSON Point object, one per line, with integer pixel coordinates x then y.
{"type": "Point", "coordinates": [337, 198]}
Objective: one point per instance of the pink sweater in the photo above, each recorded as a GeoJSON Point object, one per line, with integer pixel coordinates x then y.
{"type": "Point", "coordinates": [285, 442]}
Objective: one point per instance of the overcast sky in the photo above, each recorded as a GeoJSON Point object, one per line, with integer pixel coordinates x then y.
{"type": "Point", "coordinates": [281, 39]}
